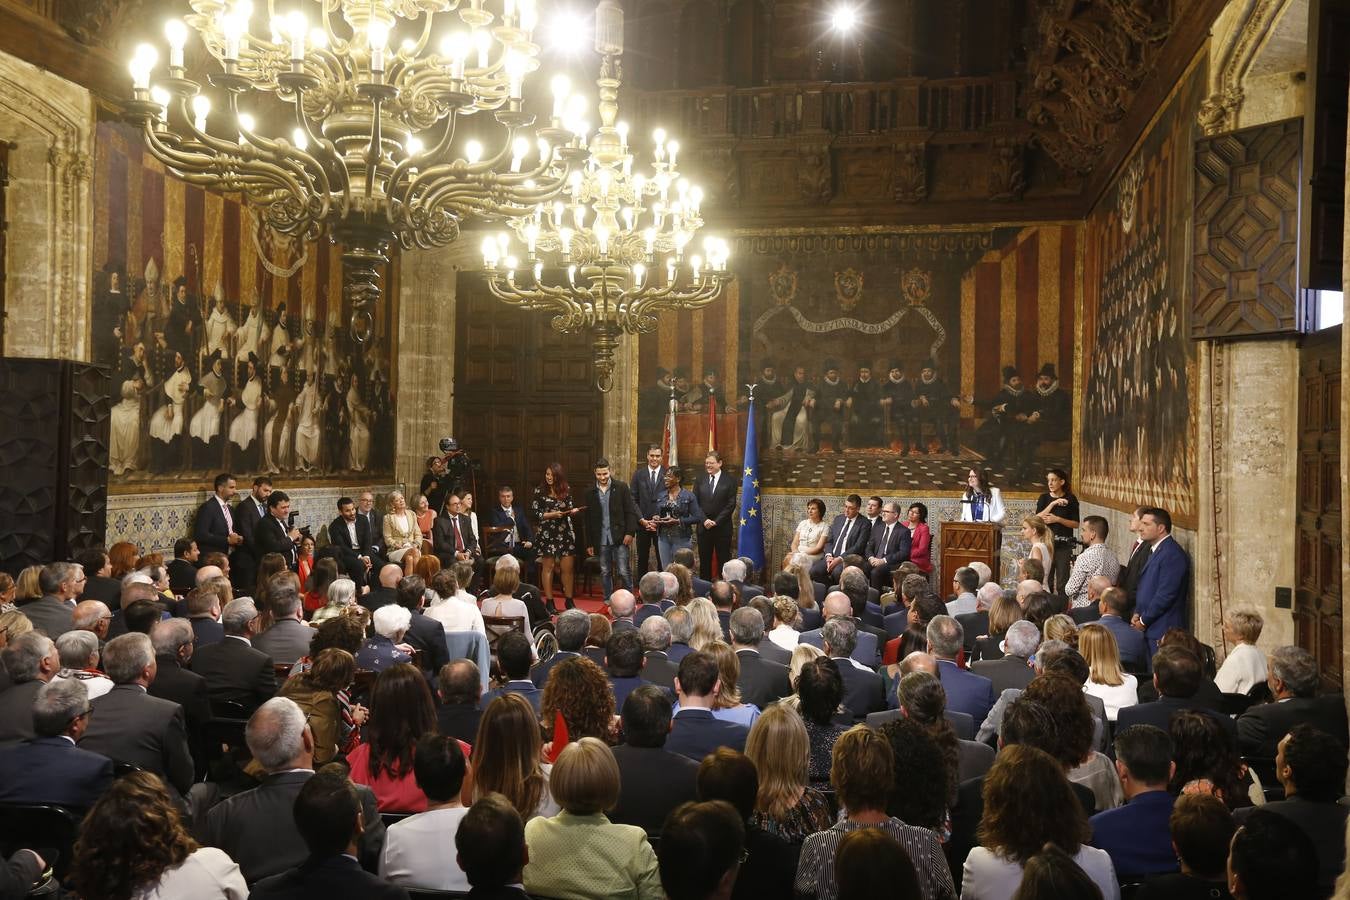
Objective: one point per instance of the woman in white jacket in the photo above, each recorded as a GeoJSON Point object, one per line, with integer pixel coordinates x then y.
{"type": "Point", "coordinates": [980, 502]}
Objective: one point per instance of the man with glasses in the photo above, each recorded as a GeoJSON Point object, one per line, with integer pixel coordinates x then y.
{"type": "Point", "coordinates": [61, 583]}
{"type": "Point", "coordinates": [50, 768]}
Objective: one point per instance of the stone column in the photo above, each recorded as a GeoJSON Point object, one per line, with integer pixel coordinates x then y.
{"type": "Point", "coordinates": [619, 439]}
{"type": "Point", "coordinates": [428, 282]}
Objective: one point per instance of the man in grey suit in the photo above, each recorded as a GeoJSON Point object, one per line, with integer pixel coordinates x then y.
{"type": "Point", "coordinates": [61, 584]}
{"type": "Point", "coordinates": [128, 725]}
{"type": "Point", "coordinates": [1012, 670]}
{"type": "Point", "coordinates": [288, 638]}
{"type": "Point", "coordinates": [31, 661]}
{"type": "Point", "coordinates": [837, 605]}
{"type": "Point", "coordinates": [234, 669]}
{"type": "Point", "coordinates": [762, 682]}
{"type": "Point", "coordinates": [255, 827]}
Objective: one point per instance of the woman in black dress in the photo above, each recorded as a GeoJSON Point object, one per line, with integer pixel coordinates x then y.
{"type": "Point", "coordinates": [1058, 508]}
{"type": "Point", "coordinates": [552, 508]}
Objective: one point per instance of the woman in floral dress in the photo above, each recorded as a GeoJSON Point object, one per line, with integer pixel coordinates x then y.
{"type": "Point", "coordinates": [552, 508]}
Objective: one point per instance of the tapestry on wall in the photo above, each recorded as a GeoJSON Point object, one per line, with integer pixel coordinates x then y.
{"type": "Point", "coordinates": [1138, 442]}
{"type": "Point", "coordinates": [880, 360]}
{"type": "Point", "coordinates": [230, 348]}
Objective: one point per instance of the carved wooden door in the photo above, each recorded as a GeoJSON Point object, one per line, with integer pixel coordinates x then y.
{"type": "Point", "coordinates": [524, 396]}
{"type": "Point", "coordinates": [1317, 595]}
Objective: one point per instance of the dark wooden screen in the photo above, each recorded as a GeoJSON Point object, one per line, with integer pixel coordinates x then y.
{"type": "Point", "coordinates": [1317, 597]}
{"type": "Point", "coordinates": [1328, 92]}
{"type": "Point", "coordinates": [1246, 233]}
{"type": "Point", "coordinates": [524, 395]}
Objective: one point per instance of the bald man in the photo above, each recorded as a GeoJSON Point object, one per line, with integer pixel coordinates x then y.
{"type": "Point", "coordinates": [92, 615]}
{"type": "Point", "coordinates": [387, 592]}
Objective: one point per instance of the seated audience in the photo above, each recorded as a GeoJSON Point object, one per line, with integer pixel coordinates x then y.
{"type": "Point", "coordinates": [1060, 627]}
{"type": "Point", "coordinates": [1136, 834]}
{"type": "Point", "coordinates": [707, 626]}
{"type": "Point", "coordinates": [453, 611]}
{"type": "Point", "coordinates": [1053, 875]}
{"type": "Point", "coordinates": [508, 758]}
{"type": "Point", "coordinates": [1013, 669]}
{"type": "Point", "coordinates": [401, 712]}
{"type": "Point", "coordinates": [863, 691]}
{"type": "Point", "coordinates": [234, 669]}
{"type": "Point", "coordinates": [1311, 766]}
{"type": "Point", "coordinates": [1003, 612]}
{"type": "Point", "coordinates": [459, 689]}
{"type": "Point", "coordinates": [625, 662]}
{"type": "Point", "coordinates": [30, 660]}
{"type": "Point", "coordinates": [514, 655]}
{"type": "Point", "coordinates": [1245, 665]}
{"type": "Point", "coordinates": [1293, 683]}
{"type": "Point", "coordinates": [490, 849]}
{"type": "Point", "coordinates": [861, 773]}
{"type": "Point", "coordinates": [657, 666]}
{"type": "Point", "coordinates": [1028, 803]}
{"type": "Point", "coordinates": [965, 582]}
{"type": "Point", "coordinates": [1115, 687]}
{"type": "Point", "coordinates": [317, 585]}
{"type": "Point", "coordinates": [923, 700]}
{"type": "Point", "coordinates": [579, 692]}
{"type": "Point", "coordinates": [425, 635]}
{"type": "Point", "coordinates": [788, 617]}
{"type": "Point", "coordinates": [696, 731]}
{"type": "Point", "coordinates": [79, 655]}
{"type": "Point", "coordinates": [385, 648]}
{"type": "Point", "coordinates": [771, 862]}
{"type": "Point", "coordinates": [921, 791]}
{"type": "Point", "coordinates": [728, 706]}
{"type": "Point", "coordinates": [1177, 676]}
{"type": "Point", "coordinates": [762, 680]}
{"type": "Point", "coordinates": [820, 689]}
{"type": "Point", "coordinates": [317, 691]}
{"type": "Point", "coordinates": [1201, 828]}
{"type": "Point", "coordinates": [502, 603]}
{"type": "Point", "coordinates": [204, 608]}
{"type": "Point", "coordinates": [329, 817]}
{"type": "Point", "coordinates": [50, 768]}
{"type": "Point", "coordinates": [339, 597]}
{"type": "Point", "coordinates": [652, 780]}
{"type": "Point", "coordinates": [414, 848]}
{"type": "Point", "coordinates": [870, 863]}
{"type": "Point", "coordinates": [579, 853]}
{"type": "Point", "coordinates": [966, 692]}
{"type": "Point", "coordinates": [597, 637]}
{"type": "Point", "coordinates": [786, 806]}
{"type": "Point", "coordinates": [1204, 751]}
{"type": "Point", "coordinates": [133, 844]}
{"type": "Point", "coordinates": [571, 628]}
{"type": "Point", "coordinates": [1271, 858]}
{"type": "Point", "coordinates": [702, 851]}
{"type": "Point", "coordinates": [255, 826]}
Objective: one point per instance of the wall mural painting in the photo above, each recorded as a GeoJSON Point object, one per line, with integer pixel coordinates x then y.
{"type": "Point", "coordinates": [229, 346]}
{"type": "Point", "coordinates": [880, 359]}
{"type": "Point", "coordinates": [1138, 413]}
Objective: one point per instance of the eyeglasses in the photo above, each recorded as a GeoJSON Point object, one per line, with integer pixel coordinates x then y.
{"type": "Point", "coordinates": [745, 854]}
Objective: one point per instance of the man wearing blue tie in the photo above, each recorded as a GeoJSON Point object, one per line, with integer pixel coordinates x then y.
{"type": "Point", "coordinates": [648, 485]}
{"type": "Point", "coordinates": [849, 535]}
{"type": "Point", "coordinates": [1160, 602]}
{"type": "Point", "coordinates": [518, 538]}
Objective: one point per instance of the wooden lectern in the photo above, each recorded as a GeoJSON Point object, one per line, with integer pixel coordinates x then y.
{"type": "Point", "coordinates": [966, 542]}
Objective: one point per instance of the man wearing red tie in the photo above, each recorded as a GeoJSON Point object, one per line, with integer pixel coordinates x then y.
{"type": "Point", "coordinates": [451, 537]}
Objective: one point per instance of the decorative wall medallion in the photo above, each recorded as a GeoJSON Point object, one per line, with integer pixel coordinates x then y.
{"type": "Point", "coordinates": [916, 285]}
{"type": "Point", "coordinates": [848, 288]}
{"type": "Point", "coordinates": [1127, 191]}
{"type": "Point", "coordinates": [783, 284]}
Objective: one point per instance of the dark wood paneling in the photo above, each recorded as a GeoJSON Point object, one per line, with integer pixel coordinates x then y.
{"type": "Point", "coordinates": [524, 394]}
{"type": "Point", "coordinates": [1328, 92]}
{"type": "Point", "coordinates": [1317, 569]}
{"type": "Point", "coordinates": [5, 147]}
{"type": "Point", "coordinates": [1246, 232]}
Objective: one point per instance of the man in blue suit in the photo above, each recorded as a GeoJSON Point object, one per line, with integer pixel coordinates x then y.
{"type": "Point", "coordinates": [966, 691]}
{"type": "Point", "coordinates": [50, 768]}
{"type": "Point", "coordinates": [889, 546]}
{"type": "Point", "coordinates": [518, 538]}
{"type": "Point", "coordinates": [1115, 605]}
{"type": "Point", "coordinates": [1136, 835]}
{"type": "Point", "coordinates": [837, 605]}
{"type": "Point", "coordinates": [214, 529]}
{"type": "Point", "coordinates": [648, 485]}
{"type": "Point", "coordinates": [513, 655]}
{"type": "Point", "coordinates": [1160, 603]}
{"type": "Point", "coordinates": [695, 733]}
{"type": "Point", "coordinates": [849, 534]}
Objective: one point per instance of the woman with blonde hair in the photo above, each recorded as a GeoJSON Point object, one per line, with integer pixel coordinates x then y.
{"type": "Point", "coordinates": [508, 757]}
{"type": "Point", "coordinates": [401, 531]}
{"type": "Point", "coordinates": [27, 587]}
{"type": "Point", "coordinates": [801, 655]}
{"type": "Point", "coordinates": [503, 602]}
{"type": "Point", "coordinates": [786, 613]}
{"type": "Point", "coordinates": [786, 805]}
{"type": "Point", "coordinates": [12, 624]}
{"type": "Point", "coordinates": [728, 706]}
{"type": "Point", "coordinates": [707, 627]}
{"type": "Point", "coordinates": [1060, 627]}
{"type": "Point", "coordinates": [1037, 533]}
{"type": "Point", "coordinates": [1107, 680]}
{"type": "Point", "coordinates": [1245, 665]}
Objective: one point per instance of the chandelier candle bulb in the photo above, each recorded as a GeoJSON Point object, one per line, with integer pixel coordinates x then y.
{"type": "Point", "coordinates": [176, 34]}
{"type": "Point", "coordinates": [142, 64]}
{"type": "Point", "coordinates": [297, 26]}
{"type": "Point", "coordinates": [565, 238]}
{"type": "Point", "coordinates": [531, 238]}
{"type": "Point", "coordinates": [473, 152]}
{"type": "Point", "coordinates": [674, 148]}
{"type": "Point", "coordinates": [482, 39]}
{"type": "Point", "coordinates": [378, 38]}
{"type": "Point", "coordinates": [300, 139]}
{"type": "Point", "coordinates": [201, 108]}
{"type": "Point", "coordinates": [622, 130]}
{"type": "Point", "coordinates": [161, 97]}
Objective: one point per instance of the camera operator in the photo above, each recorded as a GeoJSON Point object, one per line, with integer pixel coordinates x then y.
{"type": "Point", "coordinates": [277, 533]}
{"type": "Point", "coordinates": [436, 482]}
{"type": "Point", "coordinates": [459, 469]}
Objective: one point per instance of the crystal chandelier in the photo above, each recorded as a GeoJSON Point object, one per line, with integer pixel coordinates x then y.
{"type": "Point", "coordinates": [376, 89]}
{"type": "Point", "coordinates": [610, 256]}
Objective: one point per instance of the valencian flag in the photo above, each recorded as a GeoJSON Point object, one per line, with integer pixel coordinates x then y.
{"type": "Point", "coordinates": [712, 420]}
{"type": "Point", "coordinates": [750, 537]}
{"type": "Point", "coordinates": [668, 441]}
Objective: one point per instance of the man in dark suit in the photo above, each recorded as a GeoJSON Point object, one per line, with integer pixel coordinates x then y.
{"type": "Point", "coordinates": [1177, 675]}
{"type": "Point", "coordinates": [183, 567]}
{"type": "Point", "coordinates": [214, 529]}
{"type": "Point", "coordinates": [274, 534]}
{"type": "Point", "coordinates": [648, 485]}
{"type": "Point", "coordinates": [490, 849]}
{"type": "Point", "coordinates": [518, 537]}
{"type": "Point", "coordinates": [255, 827]}
{"type": "Point", "coordinates": [248, 512]}
{"type": "Point", "coordinates": [424, 633]}
{"type": "Point", "coordinates": [173, 643]}
{"type": "Point", "coordinates": [365, 508]}
{"type": "Point", "coordinates": [611, 520]}
{"type": "Point", "coordinates": [1292, 677]}
{"type": "Point", "coordinates": [61, 583]}
{"type": "Point", "coordinates": [762, 682]}
{"type": "Point", "coordinates": [329, 817]}
{"type": "Point", "coordinates": [889, 546]}
{"type": "Point", "coordinates": [234, 670]}
{"type": "Point", "coordinates": [716, 494]}
{"type": "Point", "coordinates": [1096, 586]}
{"type": "Point", "coordinates": [966, 691]}
{"type": "Point", "coordinates": [203, 609]}
{"type": "Point", "coordinates": [97, 583]}
{"type": "Point", "coordinates": [452, 536]}
{"type": "Point", "coordinates": [350, 534]}
{"type": "Point", "coordinates": [659, 668]}
{"type": "Point", "coordinates": [685, 557]}
{"type": "Point", "coordinates": [31, 660]}
{"type": "Point", "coordinates": [1128, 577]}
{"type": "Point", "coordinates": [1131, 641]}
{"type": "Point", "coordinates": [1136, 835]}
{"type": "Point", "coordinates": [459, 688]}
{"type": "Point", "coordinates": [49, 768]}
{"type": "Point", "coordinates": [849, 534]}
{"type": "Point", "coordinates": [385, 591]}
{"type": "Point", "coordinates": [695, 732]}
{"type": "Point", "coordinates": [513, 655]}
{"type": "Point", "coordinates": [653, 781]}
{"type": "Point", "coordinates": [287, 639]}
{"type": "Point", "coordinates": [1013, 670]}
{"type": "Point", "coordinates": [735, 572]}
{"type": "Point", "coordinates": [1160, 602]}
{"type": "Point", "coordinates": [863, 689]}
{"type": "Point", "coordinates": [866, 649]}
{"type": "Point", "coordinates": [129, 725]}
{"type": "Point", "coordinates": [571, 630]}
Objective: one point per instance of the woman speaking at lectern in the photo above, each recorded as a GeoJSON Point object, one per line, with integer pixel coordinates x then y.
{"type": "Point", "coordinates": [980, 502]}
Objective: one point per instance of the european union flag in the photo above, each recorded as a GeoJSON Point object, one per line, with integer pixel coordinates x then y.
{"type": "Point", "coordinates": [750, 537]}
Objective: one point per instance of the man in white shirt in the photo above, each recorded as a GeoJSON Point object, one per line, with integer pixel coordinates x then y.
{"type": "Point", "coordinates": [965, 581]}
{"type": "Point", "coordinates": [415, 849]}
{"type": "Point", "coordinates": [1096, 559]}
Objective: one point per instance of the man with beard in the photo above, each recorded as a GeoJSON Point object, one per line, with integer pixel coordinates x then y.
{"type": "Point", "coordinates": [934, 404]}
{"type": "Point", "coordinates": [1001, 436]}
{"type": "Point", "coordinates": [897, 392]}
{"type": "Point", "coordinates": [1047, 416]}
{"type": "Point", "coordinates": [864, 405]}
{"type": "Point", "coordinates": [790, 413]}
{"type": "Point", "coordinates": [830, 407]}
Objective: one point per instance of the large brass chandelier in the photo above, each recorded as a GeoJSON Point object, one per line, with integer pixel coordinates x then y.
{"type": "Point", "coordinates": [620, 247]}
{"type": "Point", "coordinates": [376, 90]}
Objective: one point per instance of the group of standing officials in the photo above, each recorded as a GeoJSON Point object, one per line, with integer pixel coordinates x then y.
{"type": "Point", "coordinates": [671, 517]}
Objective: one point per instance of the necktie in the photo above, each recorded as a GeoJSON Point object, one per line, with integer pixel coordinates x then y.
{"type": "Point", "coordinates": [653, 479]}
{"type": "Point", "coordinates": [886, 540]}
{"type": "Point", "coordinates": [459, 538]}
{"type": "Point", "coordinates": [843, 538]}
{"type": "Point", "coordinates": [258, 503]}
{"type": "Point", "coordinates": [713, 489]}
{"type": "Point", "coordinates": [510, 535]}
{"type": "Point", "coordinates": [229, 519]}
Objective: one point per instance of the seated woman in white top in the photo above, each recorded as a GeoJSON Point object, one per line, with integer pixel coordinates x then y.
{"type": "Point", "coordinates": [980, 502]}
{"type": "Point", "coordinates": [401, 532]}
{"type": "Point", "coordinates": [449, 608]}
{"type": "Point", "coordinates": [1245, 665]}
{"type": "Point", "coordinates": [1018, 823]}
{"type": "Point", "coordinates": [133, 843]}
{"type": "Point", "coordinates": [415, 849]}
{"type": "Point", "coordinates": [1116, 688]}
{"type": "Point", "coordinates": [808, 541]}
